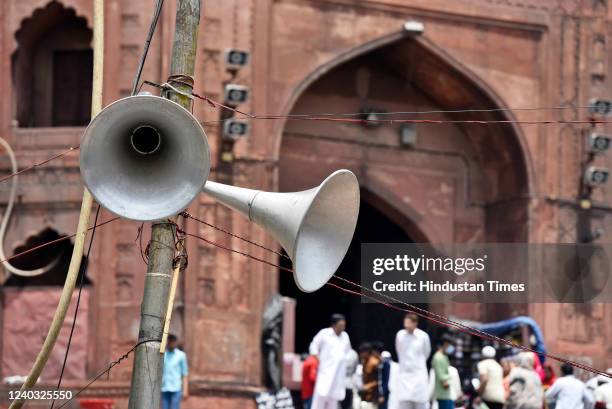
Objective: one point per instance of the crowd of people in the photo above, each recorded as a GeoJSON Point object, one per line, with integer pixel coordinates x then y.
{"type": "Point", "coordinates": [335, 376]}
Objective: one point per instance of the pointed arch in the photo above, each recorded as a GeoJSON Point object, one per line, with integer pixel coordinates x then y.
{"type": "Point", "coordinates": [483, 174]}
{"type": "Point", "coordinates": [78, 8]}
{"type": "Point", "coordinates": [476, 90]}
{"type": "Point", "coordinates": [51, 68]}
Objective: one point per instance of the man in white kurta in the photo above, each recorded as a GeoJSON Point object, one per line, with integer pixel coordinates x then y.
{"type": "Point", "coordinates": [330, 345]}
{"type": "Point", "coordinates": [413, 347]}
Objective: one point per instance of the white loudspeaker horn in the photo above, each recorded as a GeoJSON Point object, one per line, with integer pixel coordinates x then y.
{"type": "Point", "coordinates": [315, 226]}
{"type": "Point", "coordinates": [144, 158]}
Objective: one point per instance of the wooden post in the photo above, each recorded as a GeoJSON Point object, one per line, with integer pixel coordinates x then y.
{"type": "Point", "coordinates": [145, 390]}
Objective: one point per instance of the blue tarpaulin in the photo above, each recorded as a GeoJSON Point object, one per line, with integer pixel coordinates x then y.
{"type": "Point", "coordinates": [500, 328]}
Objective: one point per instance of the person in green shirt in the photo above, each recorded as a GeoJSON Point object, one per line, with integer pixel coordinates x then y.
{"type": "Point", "coordinates": [440, 364]}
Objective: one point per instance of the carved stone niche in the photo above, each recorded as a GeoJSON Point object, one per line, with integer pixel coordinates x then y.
{"type": "Point", "coordinates": [206, 291]}
{"type": "Point", "coordinates": [125, 287]}
{"type": "Point", "coordinates": [598, 59]}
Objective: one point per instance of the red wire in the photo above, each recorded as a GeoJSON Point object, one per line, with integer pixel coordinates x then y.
{"type": "Point", "coordinates": [278, 253]}
{"type": "Point", "coordinates": [59, 155]}
{"type": "Point", "coordinates": [323, 117]}
{"type": "Point", "coordinates": [427, 121]}
{"type": "Point", "coordinates": [319, 117]}
{"type": "Point", "coordinates": [221, 246]}
{"type": "Point", "coordinates": [471, 330]}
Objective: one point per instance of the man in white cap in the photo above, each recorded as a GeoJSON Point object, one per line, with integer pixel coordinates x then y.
{"type": "Point", "coordinates": [603, 393]}
{"type": "Point", "coordinates": [491, 374]}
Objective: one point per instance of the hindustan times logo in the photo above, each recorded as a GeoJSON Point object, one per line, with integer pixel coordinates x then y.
{"type": "Point", "coordinates": [413, 265]}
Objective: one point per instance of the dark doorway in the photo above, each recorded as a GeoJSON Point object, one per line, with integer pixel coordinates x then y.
{"type": "Point", "coordinates": [72, 82]}
{"type": "Point", "coordinates": [29, 304]}
{"type": "Point", "coordinates": [52, 68]}
{"type": "Point", "coordinates": [365, 321]}
{"type": "Point", "coordinates": [57, 254]}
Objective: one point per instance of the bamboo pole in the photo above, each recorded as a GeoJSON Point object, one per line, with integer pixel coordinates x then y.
{"type": "Point", "coordinates": [180, 266]}
{"type": "Point", "coordinates": [175, 277]}
{"type": "Point", "coordinates": [83, 225]}
{"type": "Point", "coordinates": [145, 392]}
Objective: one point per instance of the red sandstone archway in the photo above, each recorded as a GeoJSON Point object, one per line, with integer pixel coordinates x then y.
{"type": "Point", "coordinates": [458, 183]}
{"type": "Point", "coordinates": [403, 73]}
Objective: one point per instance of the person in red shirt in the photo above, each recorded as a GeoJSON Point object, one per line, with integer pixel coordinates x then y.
{"type": "Point", "coordinates": [549, 376]}
{"type": "Point", "coordinates": [309, 377]}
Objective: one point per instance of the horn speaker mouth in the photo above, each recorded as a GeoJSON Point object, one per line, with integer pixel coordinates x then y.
{"type": "Point", "coordinates": [144, 158]}
{"type": "Point", "coordinates": [326, 231]}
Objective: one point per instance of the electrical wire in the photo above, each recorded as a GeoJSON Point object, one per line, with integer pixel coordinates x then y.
{"type": "Point", "coordinates": [145, 50]}
{"type": "Point", "coordinates": [330, 116]}
{"type": "Point", "coordinates": [425, 121]}
{"type": "Point", "coordinates": [78, 302]}
{"type": "Point", "coordinates": [215, 104]}
{"type": "Point", "coordinates": [59, 155]}
{"type": "Point", "coordinates": [342, 117]}
{"type": "Point", "coordinates": [189, 216]}
{"type": "Point", "coordinates": [107, 370]}
{"type": "Point", "coordinates": [446, 111]}
{"type": "Point", "coordinates": [465, 328]}
{"type": "Point", "coordinates": [443, 121]}
{"type": "Point", "coordinates": [6, 219]}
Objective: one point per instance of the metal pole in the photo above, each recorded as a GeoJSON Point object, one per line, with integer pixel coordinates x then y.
{"type": "Point", "coordinates": [145, 390]}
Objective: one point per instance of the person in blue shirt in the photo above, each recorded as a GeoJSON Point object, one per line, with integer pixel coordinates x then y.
{"type": "Point", "coordinates": [175, 383]}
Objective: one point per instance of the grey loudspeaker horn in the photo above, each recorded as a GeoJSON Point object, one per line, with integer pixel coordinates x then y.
{"type": "Point", "coordinates": [144, 158]}
{"type": "Point", "coordinates": [315, 226]}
